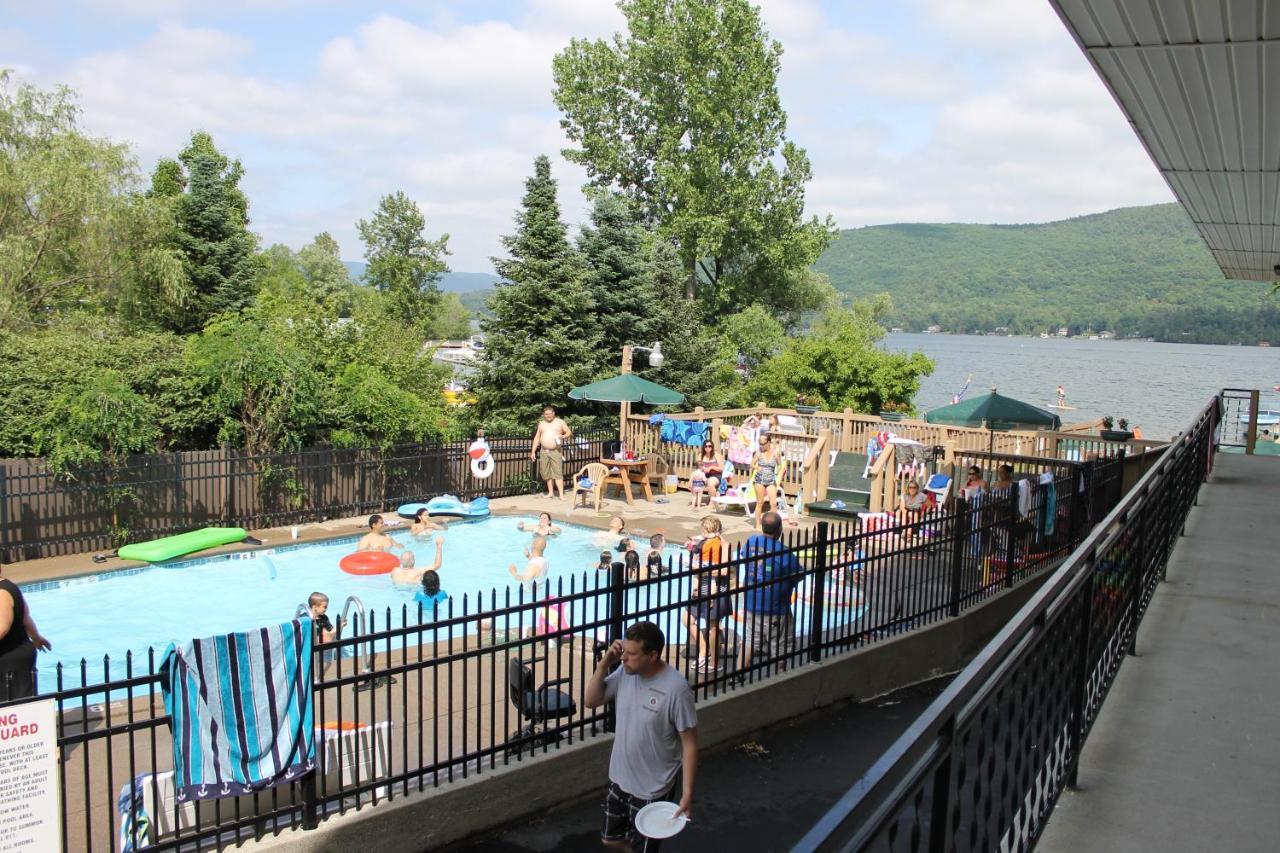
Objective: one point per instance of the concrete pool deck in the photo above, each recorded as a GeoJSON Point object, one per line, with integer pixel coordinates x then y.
{"type": "Point", "coordinates": [675, 518]}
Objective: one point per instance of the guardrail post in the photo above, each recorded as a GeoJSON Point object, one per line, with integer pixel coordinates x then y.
{"type": "Point", "coordinates": [1011, 545]}
{"type": "Point", "coordinates": [1139, 576]}
{"type": "Point", "coordinates": [941, 834]}
{"type": "Point", "coordinates": [819, 592]}
{"type": "Point", "coordinates": [960, 533]}
{"type": "Point", "coordinates": [1081, 675]}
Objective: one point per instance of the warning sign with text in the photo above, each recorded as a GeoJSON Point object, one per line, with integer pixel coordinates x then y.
{"type": "Point", "coordinates": [29, 777]}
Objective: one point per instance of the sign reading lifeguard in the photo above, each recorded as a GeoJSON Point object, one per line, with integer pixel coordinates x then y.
{"type": "Point", "coordinates": [29, 783]}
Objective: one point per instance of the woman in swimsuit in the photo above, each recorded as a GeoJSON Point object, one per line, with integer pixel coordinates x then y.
{"type": "Point", "coordinates": [424, 525]}
{"type": "Point", "coordinates": [712, 468]}
{"type": "Point", "coordinates": [768, 464]}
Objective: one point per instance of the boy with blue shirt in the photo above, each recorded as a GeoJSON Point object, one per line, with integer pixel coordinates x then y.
{"type": "Point", "coordinates": [768, 582]}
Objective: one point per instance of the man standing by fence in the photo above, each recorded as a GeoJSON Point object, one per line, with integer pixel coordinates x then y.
{"type": "Point", "coordinates": [770, 576]}
{"type": "Point", "coordinates": [551, 433]}
{"type": "Point", "coordinates": [655, 745]}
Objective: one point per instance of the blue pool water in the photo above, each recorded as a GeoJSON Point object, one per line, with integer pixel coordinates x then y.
{"type": "Point", "coordinates": [111, 613]}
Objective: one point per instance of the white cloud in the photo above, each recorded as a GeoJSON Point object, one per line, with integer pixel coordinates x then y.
{"type": "Point", "coordinates": [987, 113]}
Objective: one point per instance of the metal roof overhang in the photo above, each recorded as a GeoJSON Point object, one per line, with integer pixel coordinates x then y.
{"type": "Point", "coordinates": [1199, 81]}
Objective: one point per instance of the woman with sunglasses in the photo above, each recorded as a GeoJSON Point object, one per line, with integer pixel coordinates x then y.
{"type": "Point", "coordinates": [912, 507]}
{"type": "Point", "coordinates": [711, 468]}
{"type": "Point", "coordinates": [975, 485]}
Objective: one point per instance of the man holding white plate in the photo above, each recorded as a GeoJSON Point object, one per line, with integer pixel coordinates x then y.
{"type": "Point", "coordinates": [655, 743]}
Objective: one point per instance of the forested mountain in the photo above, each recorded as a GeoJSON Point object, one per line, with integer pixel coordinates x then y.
{"type": "Point", "coordinates": [450, 282]}
{"type": "Point", "coordinates": [1137, 271]}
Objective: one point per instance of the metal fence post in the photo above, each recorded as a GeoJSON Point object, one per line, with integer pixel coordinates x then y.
{"type": "Point", "coordinates": [819, 591]}
{"type": "Point", "coordinates": [960, 533]}
{"type": "Point", "coordinates": [617, 601]}
{"type": "Point", "coordinates": [4, 515]}
{"type": "Point", "coordinates": [310, 801]}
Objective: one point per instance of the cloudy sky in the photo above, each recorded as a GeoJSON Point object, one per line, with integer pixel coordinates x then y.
{"type": "Point", "coordinates": [911, 110]}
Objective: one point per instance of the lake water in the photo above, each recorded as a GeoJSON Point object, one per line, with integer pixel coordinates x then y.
{"type": "Point", "coordinates": [1159, 387]}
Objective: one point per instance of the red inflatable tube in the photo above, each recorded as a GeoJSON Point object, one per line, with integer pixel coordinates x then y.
{"type": "Point", "coordinates": [369, 563]}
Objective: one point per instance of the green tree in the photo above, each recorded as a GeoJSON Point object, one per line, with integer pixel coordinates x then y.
{"type": "Point", "coordinates": [839, 365]}
{"type": "Point", "coordinates": [42, 365]}
{"type": "Point", "coordinates": [699, 362]}
{"type": "Point", "coordinates": [683, 115]}
{"type": "Point", "coordinates": [322, 266]}
{"type": "Point", "coordinates": [755, 335]}
{"type": "Point", "coordinates": [452, 320]}
{"type": "Point", "coordinates": [72, 235]}
{"type": "Point", "coordinates": [619, 279]}
{"type": "Point", "coordinates": [403, 263]}
{"type": "Point", "coordinates": [211, 228]}
{"type": "Point", "coordinates": [251, 380]}
{"type": "Point", "coordinates": [541, 338]}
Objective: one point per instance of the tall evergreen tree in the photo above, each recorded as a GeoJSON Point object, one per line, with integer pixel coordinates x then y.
{"type": "Point", "coordinates": [403, 263]}
{"type": "Point", "coordinates": [541, 339]}
{"type": "Point", "coordinates": [211, 229]}
{"type": "Point", "coordinates": [619, 278]}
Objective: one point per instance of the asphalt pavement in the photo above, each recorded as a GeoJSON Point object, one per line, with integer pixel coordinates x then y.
{"type": "Point", "coordinates": [759, 794]}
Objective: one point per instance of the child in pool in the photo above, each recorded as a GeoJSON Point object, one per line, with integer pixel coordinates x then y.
{"type": "Point", "coordinates": [537, 565]}
{"type": "Point", "coordinates": [431, 596]}
{"type": "Point", "coordinates": [606, 561]}
{"type": "Point", "coordinates": [653, 562]}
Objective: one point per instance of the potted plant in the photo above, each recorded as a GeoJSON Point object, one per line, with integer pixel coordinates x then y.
{"type": "Point", "coordinates": [893, 411]}
{"type": "Point", "coordinates": [1109, 433]}
{"type": "Point", "coordinates": [806, 404]}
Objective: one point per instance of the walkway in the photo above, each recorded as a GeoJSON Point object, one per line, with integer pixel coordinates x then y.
{"type": "Point", "coordinates": [763, 794]}
{"type": "Point", "coordinates": [1184, 756]}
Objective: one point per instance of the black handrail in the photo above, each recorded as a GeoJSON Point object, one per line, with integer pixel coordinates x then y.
{"type": "Point", "coordinates": [914, 787]}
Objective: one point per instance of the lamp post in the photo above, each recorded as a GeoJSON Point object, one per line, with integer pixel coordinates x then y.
{"type": "Point", "coordinates": [655, 359]}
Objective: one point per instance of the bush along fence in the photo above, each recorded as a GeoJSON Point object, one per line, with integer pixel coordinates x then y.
{"type": "Point", "coordinates": [46, 513]}
{"type": "Point", "coordinates": [984, 766]}
{"type": "Point", "coordinates": [409, 700]}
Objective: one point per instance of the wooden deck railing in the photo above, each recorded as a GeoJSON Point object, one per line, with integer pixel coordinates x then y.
{"type": "Point", "coordinates": [850, 432]}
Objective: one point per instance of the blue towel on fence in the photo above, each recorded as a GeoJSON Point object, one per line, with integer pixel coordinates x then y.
{"type": "Point", "coordinates": [667, 431]}
{"type": "Point", "coordinates": [696, 433]}
{"type": "Point", "coordinates": [240, 709]}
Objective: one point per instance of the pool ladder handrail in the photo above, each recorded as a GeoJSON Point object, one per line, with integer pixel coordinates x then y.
{"type": "Point", "coordinates": [358, 626]}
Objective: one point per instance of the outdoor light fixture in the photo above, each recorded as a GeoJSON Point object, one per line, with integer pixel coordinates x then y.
{"type": "Point", "coordinates": [656, 358]}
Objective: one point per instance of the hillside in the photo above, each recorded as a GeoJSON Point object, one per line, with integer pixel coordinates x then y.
{"type": "Point", "coordinates": [450, 282]}
{"type": "Point", "coordinates": [1139, 271]}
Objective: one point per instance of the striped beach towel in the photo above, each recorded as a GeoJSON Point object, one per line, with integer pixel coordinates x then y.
{"type": "Point", "coordinates": [240, 710]}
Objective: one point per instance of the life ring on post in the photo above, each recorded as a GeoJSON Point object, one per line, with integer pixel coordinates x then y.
{"type": "Point", "coordinates": [369, 563]}
{"type": "Point", "coordinates": [481, 459]}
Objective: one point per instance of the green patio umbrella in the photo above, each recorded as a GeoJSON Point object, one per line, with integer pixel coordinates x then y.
{"type": "Point", "coordinates": [627, 388]}
{"type": "Point", "coordinates": [993, 411]}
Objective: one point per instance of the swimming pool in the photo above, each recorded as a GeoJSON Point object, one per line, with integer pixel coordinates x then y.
{"type": "Point", "coordinates": [111, 613]}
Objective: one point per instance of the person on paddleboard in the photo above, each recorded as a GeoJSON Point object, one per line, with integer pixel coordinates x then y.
{"type": "Point", "coordinates": [1062, 397]}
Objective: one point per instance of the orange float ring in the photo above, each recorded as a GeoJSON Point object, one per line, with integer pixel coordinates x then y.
{"type": "Point", "coordinates": [369, 563]}
{"type": "Point", "coordinates": [343, 726]}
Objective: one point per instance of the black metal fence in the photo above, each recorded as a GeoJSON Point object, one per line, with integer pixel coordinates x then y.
{"type": "Point", "coordinates": [982, 768]}
{"type": "Point", "coordinates": [415, 699]}
{"type": "Point", "coordinates": [46, 513]}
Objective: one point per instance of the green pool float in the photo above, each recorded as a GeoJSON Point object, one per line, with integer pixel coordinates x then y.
{"type": "Point", "coordinates": [184, 543]}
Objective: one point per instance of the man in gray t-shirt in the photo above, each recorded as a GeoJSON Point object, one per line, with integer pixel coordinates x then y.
{"type": "Point", "coordinates": [656, 737]}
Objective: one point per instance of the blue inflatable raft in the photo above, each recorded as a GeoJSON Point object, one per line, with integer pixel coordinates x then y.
{"type": "Point", "coordinates": [447, 506]}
